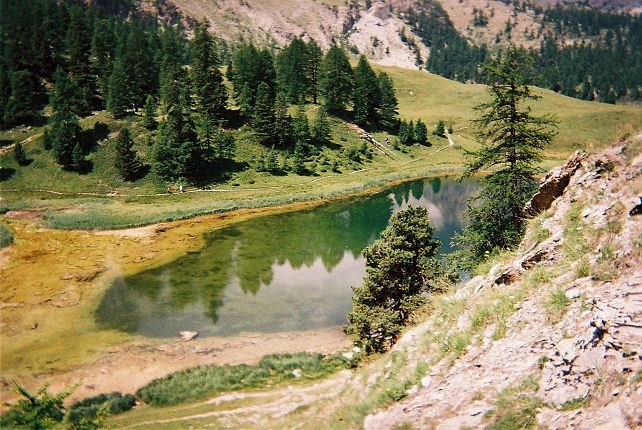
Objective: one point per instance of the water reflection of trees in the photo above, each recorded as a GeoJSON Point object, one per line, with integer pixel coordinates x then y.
{"type": "Point", "coordinates": [247, 252]}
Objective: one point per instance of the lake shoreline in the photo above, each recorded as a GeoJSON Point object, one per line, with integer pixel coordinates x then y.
{"type": "Point", "coordinates": [55, 279]}
{"type": "Point", "coordinates": [61, 303]}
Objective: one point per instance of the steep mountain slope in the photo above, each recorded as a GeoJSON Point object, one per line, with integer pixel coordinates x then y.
{"type": "Point", "coordinates": [549, 337]}
{"type": "Point", "coordinates": [379, 31]}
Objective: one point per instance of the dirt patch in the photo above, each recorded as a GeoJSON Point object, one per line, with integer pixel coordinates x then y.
{"type": "Point", "coordinates": [146, 231]}
{"type": "Point", "coordinates": [31, 214]}
{"type": "Point", "coordinates": [130, 366]}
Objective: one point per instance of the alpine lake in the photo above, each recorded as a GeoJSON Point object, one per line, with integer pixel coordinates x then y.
{"type": "Point", "coordinates": [287, 272]}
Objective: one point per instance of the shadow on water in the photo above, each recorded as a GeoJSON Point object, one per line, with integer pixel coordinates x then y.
{"type": "Point", "coordinates": [283, 272]}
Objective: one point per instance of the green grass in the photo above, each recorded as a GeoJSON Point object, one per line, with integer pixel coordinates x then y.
{"type": "Point", "coordinates": [6, 236]}
{"type": "Point", "coordinates": [516, 407]}
{"type": "Point", "coordinates": [578, 403]}
{"type": "Point", "coordinates": [114, 203]}
{"type": "Point", "coordinates": [202, 381]}
{"type": "Point", "coordinates": [556, 304]}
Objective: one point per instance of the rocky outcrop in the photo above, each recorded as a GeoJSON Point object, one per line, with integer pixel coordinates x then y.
{"type": "Point", "coordinates": [554, 184]}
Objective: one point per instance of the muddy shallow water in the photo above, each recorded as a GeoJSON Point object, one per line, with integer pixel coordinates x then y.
{"type": "Point", "coordinates": [285, 272]}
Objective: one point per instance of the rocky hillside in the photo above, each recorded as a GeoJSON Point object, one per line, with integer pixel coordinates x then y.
{"type": "Point", "coordinates": [552, 335]}
{"type": "Point", "coordinates": [380, 31]}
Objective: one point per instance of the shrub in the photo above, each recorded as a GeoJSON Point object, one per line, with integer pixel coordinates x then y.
{"type": "Point", "coordinates": [90, 408]}
{"type": "Point", "coordinates": [201, 381]}
{"type": "Point", "coordinates": [6, 237]}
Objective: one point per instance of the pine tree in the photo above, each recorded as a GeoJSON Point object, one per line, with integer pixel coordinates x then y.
{"type": "Point", "coordinates": [149, 118]}
{"type": "Point", "coordinates": [406, 133]}
{"type": "Point", "coordinates": [65, 137]}
{"type": "Point", "coordinates": [301, 126]}
{"type": "Point", "coordinates": [298, 165]}
{"type": "Point", "coordinates": [19, 154]}
{"type": "Point", "coordinates": [291, 71]}
{"type": "Point", "coordinates": [251, 68]}
{"type": "Point", "coordinates": [388, 102]}
{"type": "Point", "coordinates": [176, 152]}
{"type": "Point", "coordinates": [79, 54]}
{"type": "Point", "coordinates": [264, 116]}
{"type": "Point", "coordinates": [282, 122]}
{"type": "Point", "coordinates": [321, 132]}
{"type": "Point", "coordinates": [397, 274]}
{"type": "Point", "coordinates": [337, 79]}
{"type": "Point", "coordinates": [78, 161]}
{"type": "Point", "coordinates": [366, 95]}
{"type": "Point", "coordinates": [440, 129]}
{"type": "Point", "coordinates": [139, 68]}
{"type": "Point", "coordinates": [511, 141]}
{"type": "Point", "coordinates": [127, 162]}
{"type": "Point", "coordinates": [67, 96]}
{"type": "Point", "coordinates": [21, 106]}
{"type": "Point", "coordinates": [119, 99]}
{"type": "Point", "coordinates": [314, 55]}
{"type": "Point", "coordinates": [225, 144]}
{"type": "Point", "coordinates": [103, 50]}
{"type": "Point", "coordinates": [421, 132]}
{"type": "Point", "coordinates": [207, 80]}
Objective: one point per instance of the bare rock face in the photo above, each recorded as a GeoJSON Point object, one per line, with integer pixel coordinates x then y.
{"type": "Point", "coordinates": [554, 184]}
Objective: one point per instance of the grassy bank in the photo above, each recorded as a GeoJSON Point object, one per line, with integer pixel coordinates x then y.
{"type": "Point", "coordinates": [100, 200]}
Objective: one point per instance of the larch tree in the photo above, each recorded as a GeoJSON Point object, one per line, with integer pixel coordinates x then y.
{"type": "Point", "coordinates": [366, 95]}
{"type": "Point", "coordinates": [127, 162]}
{"type": "Point", "coordinates": [388, 104]}
{"type": "Point", "coordinates": [79, 54]}
{"type": "Point", "coordinates": [264, 116]}
{"type": "Point", "coordinates": [176, 148]}
{"type": "Point", "coordinates": [314, 55]}
{"type": "Point", "coordinates": [321, 132]}
{"type": "Point", "coordinates": [19, 154]}
{"type": "Point", "coordinates": [421, 132]}
{"type": "Point", "coordinates": [118, 99]}
{"type": "Point", "coordinates": [282, 121]}
{"type": "Point", "coordinates": [65, 128]}
{"type": "Point", "coordinates": [301, 126]}
{"type": "Point", "coordinates": [21, 106]}
{"type": "Point", "coordinates": [292, 75]}
{"type": "Point", "coordinates": [511, 139]}
{"type": "Point", "coordinates": [337, 79]}
{"type": "Point", "coordinates": [103, 50]}
{"type": "Point", "coordinates": [149, 113]}
{"type": "Point", "coordinates": [207, 80]}
{"type": "Point", "coordinates": [139, 67]}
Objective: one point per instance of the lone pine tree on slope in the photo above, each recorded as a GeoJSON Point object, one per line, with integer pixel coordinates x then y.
{"type": "Point", "coordinates": [512, 139]}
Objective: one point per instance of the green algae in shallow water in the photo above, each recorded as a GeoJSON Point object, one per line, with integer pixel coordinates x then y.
{"type": "Point", "coordinates": [284, 272]}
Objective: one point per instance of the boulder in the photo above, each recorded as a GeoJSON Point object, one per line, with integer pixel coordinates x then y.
{"type": "Point", "coordinates": [188, 335]}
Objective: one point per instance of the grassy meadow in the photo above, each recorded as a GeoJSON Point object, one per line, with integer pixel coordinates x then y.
{"type": "Point", "coordinates": [100, 200]}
